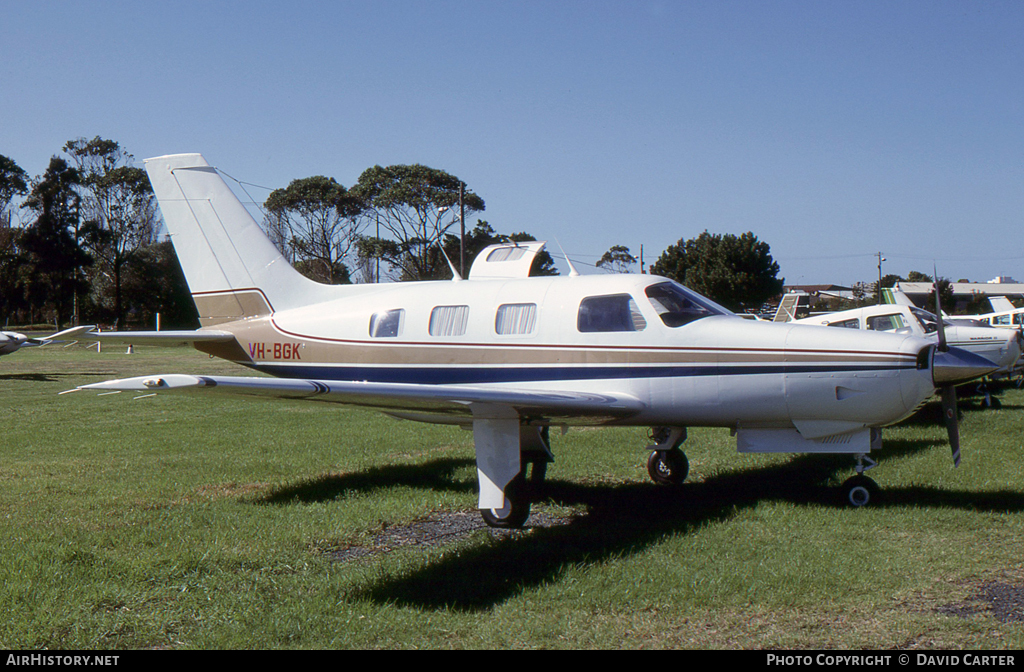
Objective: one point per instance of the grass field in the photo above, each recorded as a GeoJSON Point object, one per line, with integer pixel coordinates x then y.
{"type": "Point", "coordinates": [179, 522]}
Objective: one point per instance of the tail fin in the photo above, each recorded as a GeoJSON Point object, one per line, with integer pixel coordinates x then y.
{"type": "Point", "coordinates": [232, 268]}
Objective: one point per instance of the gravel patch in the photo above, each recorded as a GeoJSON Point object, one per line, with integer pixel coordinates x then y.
{"type": "Point", "coordinates": [438, 530]}
{"type": "Point", "coordinates": [1003, 600]}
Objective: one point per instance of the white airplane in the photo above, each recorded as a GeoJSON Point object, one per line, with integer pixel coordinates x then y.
{"type": "Point", "coordinates": [12, 341]}
{"type": "Point", "coordinates": [1001, 347]}
{"type": "Point", "coordinates": [509, 355]}
{"type": "Point", "coordinates": [1004, 314]}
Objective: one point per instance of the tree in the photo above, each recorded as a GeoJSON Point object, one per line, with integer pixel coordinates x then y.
{"type": "Point", "coordinates": [888, 281]}
{"type": "Point", "coordinates": [616, 260]}
{"type": "Point", "coordinates": [317, 219]}
{"type": "Point", "coordinates": [119, 214]}
{"type": "Point", "coordinates": [13, 182]}
{"type": "Point", "coordinates": [483, 235]}
{"type": "Point", "coordinates": [737, 272]}
{"type": "Point", "coordinates": [51, 274]}
{"type": "Point", "coordinates": [918, 276]}
{"type": "Point", "coordinates": [155, 283]}
{"type": "Point", "coordinates": [415, 205]}
{"type": "Point", "coordinates": [946, 296]}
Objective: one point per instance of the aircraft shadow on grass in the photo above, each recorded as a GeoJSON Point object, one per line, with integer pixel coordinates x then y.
{"type": "Point", "coordinates": [620, 519]}
{"type": "Point", "coordinates": [50, 377]}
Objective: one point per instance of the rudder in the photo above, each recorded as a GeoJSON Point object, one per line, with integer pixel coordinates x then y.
{"type": "Point", "coordinates": [233, 270]}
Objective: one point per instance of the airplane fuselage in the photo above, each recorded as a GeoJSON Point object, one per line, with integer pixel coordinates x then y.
{"type": "Point", "coordinates": [718, 370]}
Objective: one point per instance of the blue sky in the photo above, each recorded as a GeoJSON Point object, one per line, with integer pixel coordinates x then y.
{"type": "Point", "coordinates": [832, 130]}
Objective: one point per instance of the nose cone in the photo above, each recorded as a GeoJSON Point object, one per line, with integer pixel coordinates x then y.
{"type": "Point", "coordinates": [956, 366]}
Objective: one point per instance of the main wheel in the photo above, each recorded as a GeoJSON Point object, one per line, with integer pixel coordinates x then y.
{"type": "Point", "coordinates": [668, 467]}
{"type": "Point", "coordinates": [860, 491]}
{"type": "Point", "coordinates": [517, 506]}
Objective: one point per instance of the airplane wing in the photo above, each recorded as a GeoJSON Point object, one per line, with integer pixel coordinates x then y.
{"type": "Point", "coordinates": [434, 403]}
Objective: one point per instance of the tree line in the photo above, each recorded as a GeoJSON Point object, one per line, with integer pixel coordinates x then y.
{"type": "Point", "coordinates": [83, 244]}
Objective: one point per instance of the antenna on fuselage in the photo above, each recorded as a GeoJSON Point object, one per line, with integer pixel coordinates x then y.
{"type": "Point", "coordinates": [572, 269]}
{"type": "Point", "coordinates": [455, 274]}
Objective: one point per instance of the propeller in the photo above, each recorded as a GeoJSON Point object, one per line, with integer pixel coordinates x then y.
{"type": "Point", "coordinates": [949, 410]}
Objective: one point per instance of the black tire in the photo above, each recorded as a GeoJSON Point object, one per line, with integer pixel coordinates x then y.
{"type": "Point", "coordinates": [860, 491]}
{"type": "Point", "coordinates": [517, 506]}
{"type": "Point", "coordinates": [668, 467]}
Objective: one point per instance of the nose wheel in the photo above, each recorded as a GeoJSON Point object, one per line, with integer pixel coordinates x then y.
{"type": "Point", "coordinates": [668, 467]}
{"type": "Point", "coordinates": [667, 464]}
{"type": "Point", "coordinates": [859, 491]}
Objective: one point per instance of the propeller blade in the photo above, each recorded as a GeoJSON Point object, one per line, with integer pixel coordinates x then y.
{"type": "Point", "coordinates": [949, 414]}
{"type": "Point", "coordinates": [938, 315]}
{"type": "Point", "coordinates": [949, 411]}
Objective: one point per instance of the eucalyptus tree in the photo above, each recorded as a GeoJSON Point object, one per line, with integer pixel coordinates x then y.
{"type": "Point", "coordinates": [13, 182]}
{"type": "Point", "coordinates": [52, 258]}
{"type": "Point", "coordinates": [616, 260]}
{"type": "Point", "coordinates": [315, 221]}
{"type": "Point", "coordinates": [414, 206]}
{"type": "Point", "coordinates": [119, 215]}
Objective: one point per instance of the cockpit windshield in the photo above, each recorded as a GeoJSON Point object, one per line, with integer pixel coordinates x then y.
{"type": "Point", "coordinates": [927, 320]}
{"type": "Point", "coordinates": [676, 305]}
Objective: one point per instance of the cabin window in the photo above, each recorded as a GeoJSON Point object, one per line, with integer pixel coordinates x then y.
{"type": "Point", "coordinates": [677, 305]}
{"type": "Point", "coordinates": [449, 320]}
{"type": "Point", "coordinates": [1001, 320]}
{"type": "Point", "coordinates": [515, 318]}
{"type": "Point", "coordinates": [613, 312]}
{"type": "Point", "coordinates": [847, 324]}
{"type": "Point", "coordinates": [387, 323]}
{"type": "Point", "coordinates": [506, 254]}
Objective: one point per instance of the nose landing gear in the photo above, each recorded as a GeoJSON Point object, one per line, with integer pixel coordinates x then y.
{"type": "Point", "coordinates": [858, 491]}
{"type": "Point", "coordinates": [667, 464]}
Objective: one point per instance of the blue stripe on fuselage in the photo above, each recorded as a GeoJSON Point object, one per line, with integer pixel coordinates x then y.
{"type": "Point", "coordinates": [452, 375]}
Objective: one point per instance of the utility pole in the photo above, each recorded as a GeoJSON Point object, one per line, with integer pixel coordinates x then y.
{"type": "Point", "coordinates": [878, 288]}
{"type": "Point", "coordinates": [462, 230]}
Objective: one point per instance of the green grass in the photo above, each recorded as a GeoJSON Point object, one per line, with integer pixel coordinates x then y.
{"type": "Point", "coordinates": [180, 522]}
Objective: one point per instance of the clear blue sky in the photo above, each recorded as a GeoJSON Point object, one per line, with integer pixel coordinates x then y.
{"type": "Point", "coordinates": [832, 130]}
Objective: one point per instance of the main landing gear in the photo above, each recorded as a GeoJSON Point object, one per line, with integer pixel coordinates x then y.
{"type": "Point", "coordinates": [859, 490]}
{"type": "Point", "coordinates": [667, 464]}
{"type": "Point", "coordinates": [533, 459]}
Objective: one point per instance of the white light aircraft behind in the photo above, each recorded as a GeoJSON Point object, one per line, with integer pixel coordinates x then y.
{"type": "Point", "coordinates": [12, 341]}
{"type": "Point", "coordinates": [509, 355]}
{"type": "Point", "coordinates": [1002, 348]}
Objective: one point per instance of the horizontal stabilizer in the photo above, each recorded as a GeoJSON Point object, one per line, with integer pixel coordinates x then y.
{"type": "Point", "coordinates": [442, 400]}
{"type": "Point", "coordinates": [161, 338]}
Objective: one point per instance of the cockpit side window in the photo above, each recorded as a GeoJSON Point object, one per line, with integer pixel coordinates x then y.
{"type": "Point", "coordinates": [612, 312]}
{"type": "Point", "coordinates": [928, 321]}
{"type": "Point", "coordinates": [677, 305]}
